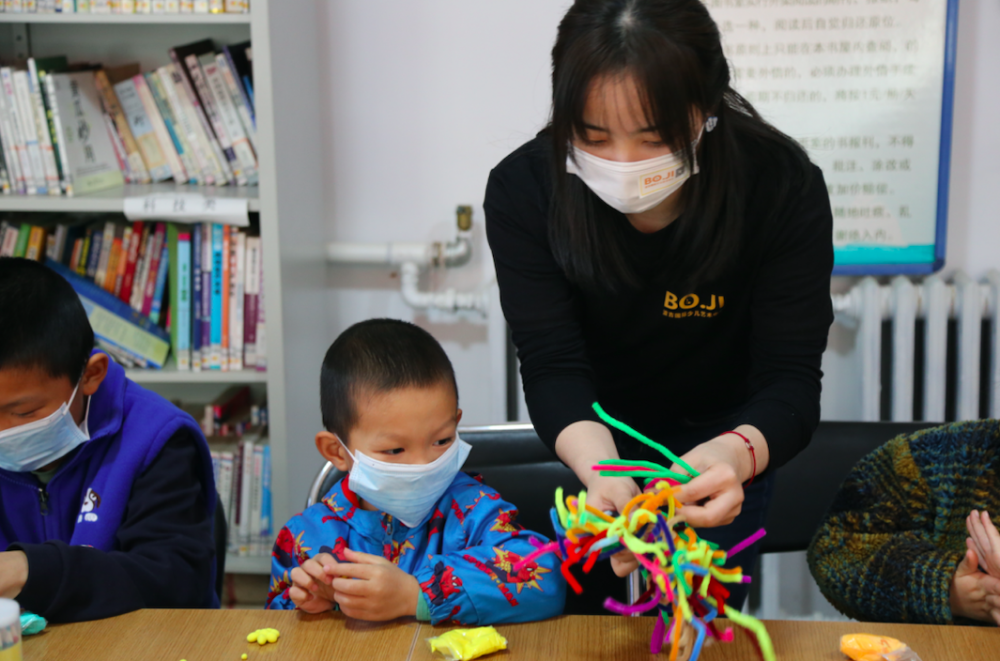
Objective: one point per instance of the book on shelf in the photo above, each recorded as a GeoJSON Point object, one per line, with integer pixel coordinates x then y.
{"type": "Point", "coordinates": [86, 150]}
{"type": "Point", "coordinates": [198, 284]}
{"type": "Point", "coordinates": [124, 6]}
{"type": "Point", "coordinates": [191, 121]}
{"type": "Point", "coordinates": [117, 325]}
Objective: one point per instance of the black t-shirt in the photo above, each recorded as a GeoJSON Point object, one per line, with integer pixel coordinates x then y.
{"type": "Point", "coordinates": [674, 364]}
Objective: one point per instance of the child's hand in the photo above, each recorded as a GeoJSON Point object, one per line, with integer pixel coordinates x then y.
{"type": "Point", "coordinates": [624, 563]}
{"type": "Point", "coordinates": [311, 590]}
{"type": "Point", "coordinates": [974, 595]}
{"type": "Point", "coordinates": [985, 540]}
{"type": "Point", "coordinates": [373, 589]}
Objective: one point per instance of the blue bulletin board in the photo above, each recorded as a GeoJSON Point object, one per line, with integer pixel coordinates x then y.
{"type": "Point", "coordinates": [868, 89]}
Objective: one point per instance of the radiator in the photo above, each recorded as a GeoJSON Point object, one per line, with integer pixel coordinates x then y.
{"type": "Point", "coordinates": [903, 302]}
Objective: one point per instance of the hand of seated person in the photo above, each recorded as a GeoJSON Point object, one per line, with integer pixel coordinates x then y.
{"type": "Point", "coordinates": [974, 595]}
{"type": "Point", "coordinates": [13, 573]}
{"type": "Point", "coordinates": [311, 590]}
{"type": "Point", "coordinates": [624, 563]}
{"type": "Point", "coordinates": [373, 589]}
{"type": "Point", "coordinates": [985, 540]}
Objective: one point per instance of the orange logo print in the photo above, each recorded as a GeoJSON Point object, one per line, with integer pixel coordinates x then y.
{"type": "Point", "coordinates": [692, 305]}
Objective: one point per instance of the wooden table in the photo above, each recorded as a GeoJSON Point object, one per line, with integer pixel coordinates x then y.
{"type": "Point", "coordinates": [172, 635]}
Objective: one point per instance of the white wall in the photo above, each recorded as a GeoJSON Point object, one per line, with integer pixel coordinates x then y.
{"type": "Point", "coordinates": [421, 101]}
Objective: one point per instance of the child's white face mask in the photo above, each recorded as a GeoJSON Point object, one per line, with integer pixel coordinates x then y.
{"type": "Point", "coordinates": [406, 491]}
{"type": "Point", "coordinates": [39, 443]}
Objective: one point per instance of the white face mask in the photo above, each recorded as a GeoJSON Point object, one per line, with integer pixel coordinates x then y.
{"type": "Point", "coordinates": [39, 443]}
{"type": "Point", "coordinates": [633, 187]}
{"type": "Point", "coordinates": [406, 491]}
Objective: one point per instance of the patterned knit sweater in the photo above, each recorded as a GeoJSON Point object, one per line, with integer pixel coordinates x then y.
{"type": "Point", "coordinates": [895, 533]}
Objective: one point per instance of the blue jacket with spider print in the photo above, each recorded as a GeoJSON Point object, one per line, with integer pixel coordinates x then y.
{"type": "Point", "coordinates": [463, 555]}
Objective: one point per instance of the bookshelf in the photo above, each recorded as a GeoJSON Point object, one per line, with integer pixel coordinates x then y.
{"type": "Point", "coordinates": [127, 19]}
{"type": "Point", "coordinates": [286, 41]}
{"type": "Point", "coordinates": [112, 200]}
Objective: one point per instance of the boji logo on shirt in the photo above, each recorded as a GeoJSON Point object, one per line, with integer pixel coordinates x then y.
{"type": "Point", "coordinates": [692, 305]}
{"type": "Point", "coordinates": [91, 501]}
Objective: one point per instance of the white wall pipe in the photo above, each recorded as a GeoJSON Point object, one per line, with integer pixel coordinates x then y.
{"type": "Point", "coordinates": [870, 341]}
{"type": "Point", "coordinates": [456, 253]}
{"type": "Point", "coordinates": [449, 300]}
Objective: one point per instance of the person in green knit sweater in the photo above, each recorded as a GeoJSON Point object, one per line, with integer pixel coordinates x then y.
{"type": "Point", "coordinates": [909, 537]}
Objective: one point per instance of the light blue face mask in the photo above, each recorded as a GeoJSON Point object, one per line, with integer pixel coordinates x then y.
{"type": "Point", "coordinates": [406, 491]}
{"type": "Point", "coordinates": [39, 443]}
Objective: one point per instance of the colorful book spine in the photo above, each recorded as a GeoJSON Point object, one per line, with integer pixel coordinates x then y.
{"type": "Point", "coordinates": [57, 131]}
{"type": "Point", "coordinates": [246, 485]}
{"type": "Point", "coordinates": [21, 249]}
{"type": "Point", "coordinates": [118, 147]}
{"type": "Point", "coordinates": [10, 147]}
{"type": "Point", "coordinates": [156, 254]}
{"type": "Point", "coordinates": [237, 270]}
{"type": "Point", "coordinates": [206, 296]}
{"type": "Point", "coordinates": [114, 258]}
{"type": "Point", "coordinates": [182, 322]}
{"type": "Point", "coordinates": [226, 282]}
{"type": "Point", "coordinates": [42, 126]}
{"type": "Point", "coordinates": [266, 530]}
{"type": "Point", "coordinates": [261, 322]}
{"type": "Point", "coordinates": [142, 130]}
{"type": "Point", "coordinates": [215, 120]}
{"type": "Point", "coordinates": [17, 127]}
{"type": "Point", "coordinates": [136, 166]}
{"type": "Point", "coordinates": [161, 285]}
{"type": "Point", "coordinates": [126, 245]}
{"type": "Point", "coordinates": [94, 253]}
{"type": "Point", "coordinates": [195, 330]}
{"type": "Point", "coordinates": [128, 279]}
{"type": "Point", "coordinates": [29, 130]}
{"type": "Point", "coordinates": [160, 129]}
{"type": "Point", "coordinates": [180, 141]}
{"type": "Point", "coordinates": [141, 268]}
{"type": "Point", "coordinates": [116, 324]}
{"type": "Point", "coordinates": [217, 273]}
{"type": "Point", "coordinates": [229, 117]}
{"type": "Point", "coordinates": [183, 81]}
{"type": "Point", "coordinates": [187, 120]}
{"type": "Point", "coordinates": [35, 249]}
{"type": "Point", "coordinates": [107, 240]}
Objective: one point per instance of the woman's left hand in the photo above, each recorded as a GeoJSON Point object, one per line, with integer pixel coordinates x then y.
{"type": "Point", "coordinates": [715, 497]}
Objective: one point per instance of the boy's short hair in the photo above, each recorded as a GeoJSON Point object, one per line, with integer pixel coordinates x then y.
{"type": "Point", "coordinates": [42, 322]}
{"type": "Point", "coordinates": [376, 356]}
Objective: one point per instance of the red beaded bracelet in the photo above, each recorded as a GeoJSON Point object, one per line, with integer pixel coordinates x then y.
{"type": "Point", "coordinates": [753, 455]}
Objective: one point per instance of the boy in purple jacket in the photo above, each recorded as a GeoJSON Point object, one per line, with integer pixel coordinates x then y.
{"type": "Point", "coordinates": [107, 488]}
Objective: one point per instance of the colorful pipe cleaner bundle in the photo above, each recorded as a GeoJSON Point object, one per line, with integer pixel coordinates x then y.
{"type": "Point", "coordinates": [684, 574]}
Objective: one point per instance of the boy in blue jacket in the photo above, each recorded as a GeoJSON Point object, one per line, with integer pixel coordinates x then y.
{"type": "Point", "coordinates": [106, 488]}
{"type": "Point", "coordinates": [405, 533]}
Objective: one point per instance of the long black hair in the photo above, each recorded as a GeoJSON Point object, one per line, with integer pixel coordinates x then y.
{"type": "Point", "coordinates": [672, 50]}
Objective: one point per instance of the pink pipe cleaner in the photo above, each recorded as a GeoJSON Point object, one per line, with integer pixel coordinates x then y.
{"type": "Point", "coordinates": [745, 543]}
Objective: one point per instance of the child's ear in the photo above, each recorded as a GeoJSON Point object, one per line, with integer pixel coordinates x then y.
{"type": "Point", "coordinates": [333, 451]}
{"type": "Point", "coordinates": [94, 373]}
{"type": "Point", "coordinates": [458, 417]}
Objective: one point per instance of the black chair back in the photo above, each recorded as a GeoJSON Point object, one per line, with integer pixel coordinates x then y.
{"type": "Point", "coordinates": [807, 485]}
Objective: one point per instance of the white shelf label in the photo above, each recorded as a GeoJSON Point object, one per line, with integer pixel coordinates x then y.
{"type": "Point", "coordinates": [188, 208]}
